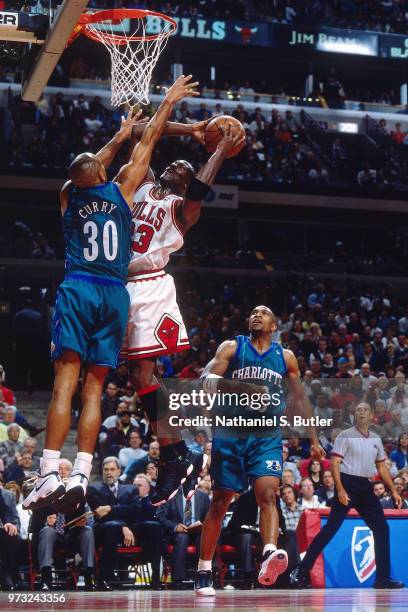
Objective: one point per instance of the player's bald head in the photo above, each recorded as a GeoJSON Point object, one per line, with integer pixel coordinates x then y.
{"type": "Point", "coordinates": [86, 171]}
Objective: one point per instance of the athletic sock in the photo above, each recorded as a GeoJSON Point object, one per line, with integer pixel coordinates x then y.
{"type": "Point", "coordinates": [150, 396]}
{"type": "Point", "coordinates": [267, 548]}
{"type": "Point", "coordinates": [204, 566]}
{"type": "Point", "coordinates": [49, 461]}
{"type": "Point", "coordinates": [172, 451]}
{"type": "Point", "coordinates": [83, 464]}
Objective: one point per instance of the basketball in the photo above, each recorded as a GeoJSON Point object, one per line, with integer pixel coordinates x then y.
{"type": "Point", "coordinates": [216, 128]}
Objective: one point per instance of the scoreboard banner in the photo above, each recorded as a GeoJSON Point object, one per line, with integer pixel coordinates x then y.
{"type": "Point", "coordinates": [261, 34]}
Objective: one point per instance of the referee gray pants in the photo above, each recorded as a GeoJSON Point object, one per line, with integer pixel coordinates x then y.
{"type": "Point", "coordinates": [362, 498]}
{"type": "Point", "coordinates": [83, 540]}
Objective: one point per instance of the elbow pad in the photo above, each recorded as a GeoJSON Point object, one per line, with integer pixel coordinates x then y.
{"type": "Point", "coordinates": [197, 190]}
{"type": "Point", "coordinates": [210, 383]}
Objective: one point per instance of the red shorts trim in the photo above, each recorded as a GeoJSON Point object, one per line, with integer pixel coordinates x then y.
{"type": "Point", "coordinates": [337, 455]}
{"type": "Point", "coordinates": [156, 351]}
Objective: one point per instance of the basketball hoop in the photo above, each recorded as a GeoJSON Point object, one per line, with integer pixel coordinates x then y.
{"type": "Point", "coordinates": [133, 55]}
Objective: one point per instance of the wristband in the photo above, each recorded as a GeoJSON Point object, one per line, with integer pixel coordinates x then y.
{"type": "Point", "coordinates": [210, 383]}
{"type": "Point", "coordinates": [197, 190]}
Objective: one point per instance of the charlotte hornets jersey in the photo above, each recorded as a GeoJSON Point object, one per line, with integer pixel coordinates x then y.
{"type": "Point", "coordinates": [97, 231]}
{"type": "Point", "coordinates": [267, 369]}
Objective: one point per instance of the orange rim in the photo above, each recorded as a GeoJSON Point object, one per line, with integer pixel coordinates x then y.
{"type": "Point", "coordinates": [88, 19]}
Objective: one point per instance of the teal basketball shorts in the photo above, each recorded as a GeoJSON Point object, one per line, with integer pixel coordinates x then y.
{"type": "Point", "coordinates": [90, 318]}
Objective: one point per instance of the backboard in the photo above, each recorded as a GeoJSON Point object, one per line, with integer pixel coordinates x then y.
{"type": "Point", "coordinates": [50, 29]}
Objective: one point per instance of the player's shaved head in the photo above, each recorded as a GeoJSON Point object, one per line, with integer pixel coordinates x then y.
{"type": "Point", "coordinates": [87, 171]}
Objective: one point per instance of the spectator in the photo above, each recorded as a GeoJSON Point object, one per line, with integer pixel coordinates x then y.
{"type": "Point", "coordinates": [12, 445]}
{"type": "Point", "coordinates": [42, 249]}
{"type": "Point", "coordinates": [290, 465]}
{"type": "Point", "coordinates": [307, 498]}
{"type": "Point", "coordinates": [379, 489]}
{"type": "Point", "coordinates": [399, 456]}
{"type": "Point", "coordinates": [120, 513]}
{"type": "Point", "coordinates": [9, 539]}
{"type": "Point", "coordinates": [393, 428]}
{"type": "Point", "coordinates": [134, 452]}
{"type": "Point", "coordinates": [110, 400]}
{"type": "Point", "coordinates": [181, 521]}
{"type": "Point", "coordinates": [200, 440]}
{"type": "Point", "coordinates": [315, 474]}
{"type": "Point", "coordinates": [388, 502]}
{"type": "Point", "coordinates": [291, 509]}
{"type": "Point", "coordinates": [49, 530]}
{"type": "Point", "coordinates": [326, 492]}
{"type": "Point", "coordinates": [138, 466]}
{"type": "Point", "coordinates": [20, 468]}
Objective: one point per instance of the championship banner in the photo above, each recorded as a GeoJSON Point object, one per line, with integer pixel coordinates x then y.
{"type": "Point", "coordinates": [222, 196]}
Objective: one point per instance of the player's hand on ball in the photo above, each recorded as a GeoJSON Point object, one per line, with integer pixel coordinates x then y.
{"type": "Point", "coordinates": [181, 88]}
{"type": "Point", "coordinates": [129, 121]}
{"type": "Point", "coordinates": [230, 141]}
{"type": "Point", "coordinates": [343, 497]}
{"type": "Point", "coordinates": [198, 131]}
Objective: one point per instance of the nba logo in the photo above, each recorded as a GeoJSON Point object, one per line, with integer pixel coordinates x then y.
{"type": "Point", "coordinates": [362, 553]}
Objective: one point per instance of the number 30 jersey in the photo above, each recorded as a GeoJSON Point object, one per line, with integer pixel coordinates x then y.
{"type": "Point", "coordinates": [97, 230]}
{"type": "Point", "coordinates": [155, 231]}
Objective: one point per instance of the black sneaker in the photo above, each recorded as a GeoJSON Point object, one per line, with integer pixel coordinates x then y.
{"type": "Point", "coordinates": [172, 474]}
{"type": "Point", "coordinates": [204, 584]}
{"type": "Point", "coordinates": [299, 577]}
{"type": "Point", "coordinates": [198, 461]}
{"type": "Point", "coordinates": [388, 584]}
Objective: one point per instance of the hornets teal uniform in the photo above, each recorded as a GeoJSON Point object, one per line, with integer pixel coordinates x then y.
{"type": "Point", "coordinates": [92, 302]}
{"type": "Point", "coordinates": [236, 459]}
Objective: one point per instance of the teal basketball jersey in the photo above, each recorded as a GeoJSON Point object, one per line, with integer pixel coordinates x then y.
{"type": "Point", "coordinates": [97, 231]}
{"type": "Point", "coordinates": [268, 369]}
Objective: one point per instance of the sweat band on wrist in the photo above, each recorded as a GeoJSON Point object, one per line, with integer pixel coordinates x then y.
{"type": "Point", "coordinates": [210, 383]}
{"type": "Point", "coordinates": [197, 190]}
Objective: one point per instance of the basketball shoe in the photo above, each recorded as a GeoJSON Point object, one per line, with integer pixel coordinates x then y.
{"type": "Point", "coordinates": [75, 494]}
{"type": "Point", "coordinates": [174, 472]}
{"type": "Point", "coordinates": [48, 488]}
{"type": "Point", "coordinates": [274, 563]}
{"type": "Point", "coordinates": [204, 584]}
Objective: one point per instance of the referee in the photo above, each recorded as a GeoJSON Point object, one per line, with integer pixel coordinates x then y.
{"type": "Point", "coordinates": [353, 456]}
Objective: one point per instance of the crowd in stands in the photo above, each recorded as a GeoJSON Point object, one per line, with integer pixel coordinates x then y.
{"type": "Point", "coordinates": [351, 346]}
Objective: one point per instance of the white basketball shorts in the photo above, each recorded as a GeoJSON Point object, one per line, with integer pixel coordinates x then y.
{"type": "Point", "coordinates": [155, 326]}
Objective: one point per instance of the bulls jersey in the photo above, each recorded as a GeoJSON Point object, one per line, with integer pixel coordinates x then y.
{"type": "Point", "coordinates": [97, 231]}
{"type": "Point", "coordinates": [155, 231]}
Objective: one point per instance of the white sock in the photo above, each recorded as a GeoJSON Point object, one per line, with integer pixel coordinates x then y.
{"type": "Point", "coordinates": [49, 461]}
{"type": "Point", "coordinates": [83, 464]}
{"type": "Point", "coordinates": [204, 566]}
{"type": "Point", "coordinates": [268, 547]}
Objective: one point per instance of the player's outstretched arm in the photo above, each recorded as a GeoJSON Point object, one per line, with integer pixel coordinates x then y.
{"type": "Point", "coordinates": [189, 212]}
{"type": "Point", "coordinates": [131, 175]}
{"type": "Point", "coordinates": [303, 406]}
{"type": "Point", "coordinates": [172, 128]}
{"type": "Point", "coordinates": [107, 154]}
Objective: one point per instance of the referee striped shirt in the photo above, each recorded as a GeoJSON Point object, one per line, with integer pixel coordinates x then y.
{"type": "Point", "coordinates": [358, 451]}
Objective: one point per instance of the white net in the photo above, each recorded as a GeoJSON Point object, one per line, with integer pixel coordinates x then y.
{"type": "Point", "coordinates": [133, 58]}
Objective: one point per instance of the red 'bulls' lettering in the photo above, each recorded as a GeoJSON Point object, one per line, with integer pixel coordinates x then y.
{"type": "Point", "coordinates": [152, 215]}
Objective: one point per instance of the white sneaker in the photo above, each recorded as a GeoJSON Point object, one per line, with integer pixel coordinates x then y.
{"type": "Point", "coordinates": [47, 489]}
{"type": "Point", "coordinates": [204, 584]}
{"type": "Point", "coordinates": [274, 563]}
{"type": "Point", "coordinates": [75, 493]}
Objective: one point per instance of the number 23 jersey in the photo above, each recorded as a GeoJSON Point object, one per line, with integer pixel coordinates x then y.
{"type": "Point", "coordinates": [155, 231]}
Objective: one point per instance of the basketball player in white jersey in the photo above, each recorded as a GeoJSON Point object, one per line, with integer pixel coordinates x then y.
{"type": "Point", "coordinates": [163, 211]}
